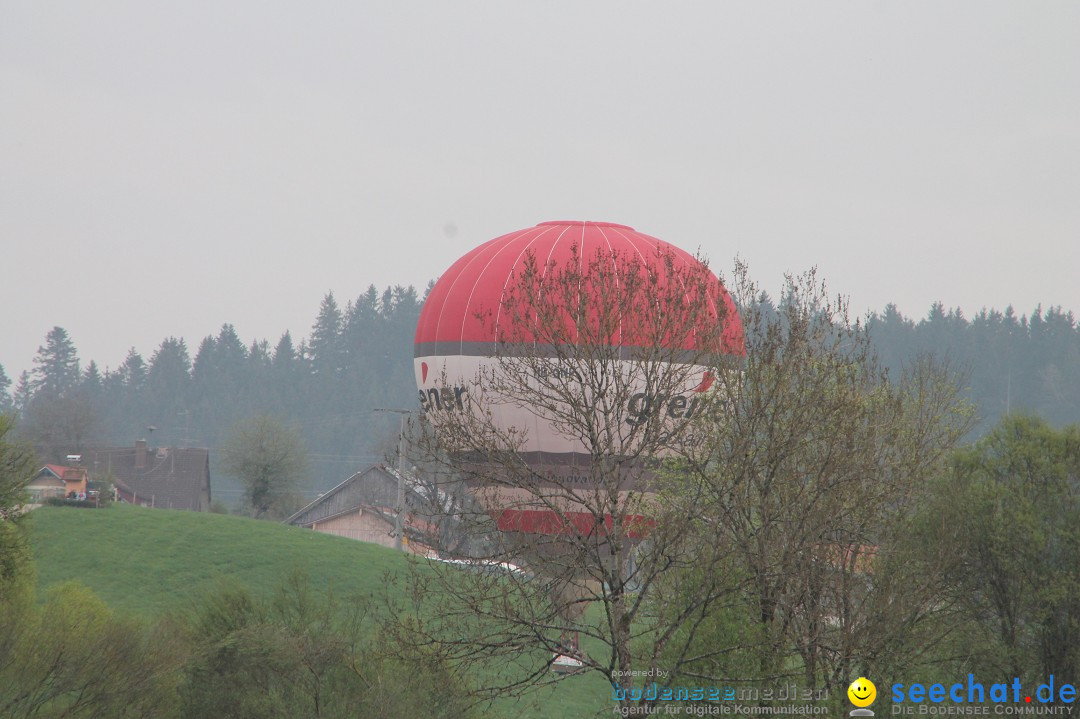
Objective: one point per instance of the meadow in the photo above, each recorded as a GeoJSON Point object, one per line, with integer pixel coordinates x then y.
{"type": "Point", "coordinates": [153, 562]}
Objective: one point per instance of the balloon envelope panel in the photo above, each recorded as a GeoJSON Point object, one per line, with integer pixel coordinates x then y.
{"type": "Point", "coordinates": [467, 318]}
{"type": "Point", "coordinates": [464, 312]}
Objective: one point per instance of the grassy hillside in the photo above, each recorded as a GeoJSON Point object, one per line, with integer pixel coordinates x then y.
{"type": "Point", "coordinates": [153, 561]}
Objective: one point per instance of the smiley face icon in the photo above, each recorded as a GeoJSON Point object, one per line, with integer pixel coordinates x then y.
{"type": "Point", "coordinates": [862, 692]}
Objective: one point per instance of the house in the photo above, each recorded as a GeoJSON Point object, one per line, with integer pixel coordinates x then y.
{"type": "Point", "coordinates": [56, 480]}
{"type": "Point", "coordinates": [362, 507]}
{"type": "Point", "coordinates": [163, 477]}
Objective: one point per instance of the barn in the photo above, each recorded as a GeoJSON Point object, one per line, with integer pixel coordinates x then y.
{"type": "Point", "coordinates": [363, 508]}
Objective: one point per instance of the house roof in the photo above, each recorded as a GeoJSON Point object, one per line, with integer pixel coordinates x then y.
{"type": "Point", "coordinates": [375, 486]}
{"type": "Point", "coordinates": [170, 478]}
{"type": "Point", "coordinates": [45, 479]}
{"type": "Point", "coordinates": [68, 474]}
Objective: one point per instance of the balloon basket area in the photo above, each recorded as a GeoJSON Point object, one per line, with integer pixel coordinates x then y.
{"type": "Point", "coordinates": [566, 664]}
{"type": "Point", "coordinates": [569, 659]}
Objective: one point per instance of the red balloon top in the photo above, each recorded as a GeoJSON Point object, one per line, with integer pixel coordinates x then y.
{"type": "Point", "coordinates": [450, 322]}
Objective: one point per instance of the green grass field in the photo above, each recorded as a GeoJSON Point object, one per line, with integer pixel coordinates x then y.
{"type": "Point", "coordinates": [155, 561]}
{"type": "Point", "coordinates": [152, 561]}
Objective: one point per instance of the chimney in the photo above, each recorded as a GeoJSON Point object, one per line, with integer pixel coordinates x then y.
{"type": "Point", "coordinates": [140, 454]}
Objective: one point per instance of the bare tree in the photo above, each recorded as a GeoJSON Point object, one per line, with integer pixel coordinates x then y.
{"type": "Point", "coordinates": [612, 361]}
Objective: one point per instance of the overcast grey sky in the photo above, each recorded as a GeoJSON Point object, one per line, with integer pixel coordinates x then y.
{"type": "Point", "coordinates": [165, 168]}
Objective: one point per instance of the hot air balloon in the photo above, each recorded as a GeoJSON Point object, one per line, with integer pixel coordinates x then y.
{"type": "Point", "coordinates": [559, 364]}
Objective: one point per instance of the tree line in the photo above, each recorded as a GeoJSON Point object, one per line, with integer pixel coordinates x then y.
{"type": "Point", "coordinates": [1010, 362]}
{"type": "Point", "coordinates": [358, 357]}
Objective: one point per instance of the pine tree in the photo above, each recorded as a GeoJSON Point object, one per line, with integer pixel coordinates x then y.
{"type": "Point", "coordinates": [92, 390]}
{"type": "Point", "coordinates": [361, 337]}
{"type": "Point", "coordinates": [23, 393]}
{"type": "Point", "coordinates": [258, 377]}
{"type": "Point", "coordinates": [168, 388]}
{"type": "Point", "coordinates": [288, 378]}
{"type": "Point", "coordinates": [133, 371]}
{"type": "Point", "coordinates": [326, 346]}
{"type": "Point", "coordinates": [284, 354]}
{"type": "Point", "coordinates": [229, 350]}
{"type": "Point", "coordinates": [169, 376]}
{"type": "Point", "coordinates": [57, 364]}
{"type": "Point", "coordinates": [5, 399]}
{"type": "Point", "coordinates": [91, 379]}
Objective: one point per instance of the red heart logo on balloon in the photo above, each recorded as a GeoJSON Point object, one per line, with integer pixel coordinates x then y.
{"type": "Point", "coordinates": [706, 382]}
{"type": "Point", "coordinates": [423, 372]}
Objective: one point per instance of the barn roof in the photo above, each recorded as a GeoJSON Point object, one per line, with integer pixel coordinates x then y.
{"type": "Point", "coordinates": [375, 486]}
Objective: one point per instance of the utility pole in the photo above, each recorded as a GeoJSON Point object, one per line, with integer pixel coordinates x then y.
{"type": "Point", "coordinates": [399, 508]}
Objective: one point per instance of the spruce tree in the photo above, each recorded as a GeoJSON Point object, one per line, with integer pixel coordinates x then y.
{"type": "Point", "coordinates": [5, 398]}
{"type": "Point", "coordinates": [56, 364]}
{"type": "Point", "coordinates": [327, 355]}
